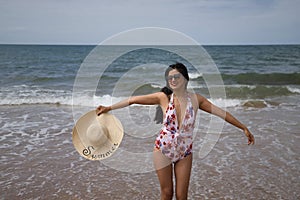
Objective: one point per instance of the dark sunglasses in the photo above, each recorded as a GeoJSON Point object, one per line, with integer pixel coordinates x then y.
{"type": "Point", "coordinates": [175, 76]}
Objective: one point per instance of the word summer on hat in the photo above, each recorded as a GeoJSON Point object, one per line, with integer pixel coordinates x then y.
{"type": "Point", "coordinates": [97, 137]}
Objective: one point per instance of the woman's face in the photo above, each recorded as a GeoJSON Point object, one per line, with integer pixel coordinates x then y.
{"type": "Point", "coordinates": [176, 80]}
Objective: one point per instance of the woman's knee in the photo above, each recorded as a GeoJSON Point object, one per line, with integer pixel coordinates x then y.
{"type": "Point", "coordinates": [181, 195]}
{"type": "Point", "coordinates": [167, 193]}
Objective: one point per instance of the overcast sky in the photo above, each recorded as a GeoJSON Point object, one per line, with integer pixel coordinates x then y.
{"type": "Point", "coordinates": [206, 21]}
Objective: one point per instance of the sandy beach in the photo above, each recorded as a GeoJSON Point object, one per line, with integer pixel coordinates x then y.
{"type": "Point", "coordinates": [39, 161]}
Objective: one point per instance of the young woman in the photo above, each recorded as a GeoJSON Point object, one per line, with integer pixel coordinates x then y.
{"type": "Point", "coordinates": [173, 145]}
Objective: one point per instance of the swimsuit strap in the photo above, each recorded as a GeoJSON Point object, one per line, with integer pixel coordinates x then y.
{"type": "Point", "coordinates": [189, 108]}
{"type": "Point", "coordinates": [172, 99]}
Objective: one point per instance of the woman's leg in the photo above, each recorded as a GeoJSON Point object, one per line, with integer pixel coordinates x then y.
{"type": "Point", "coordinates": [164, 171]}
{"type": "Point", "coordinates": [182, 170]}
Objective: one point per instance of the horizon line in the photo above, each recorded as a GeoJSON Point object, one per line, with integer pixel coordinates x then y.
{"type": "Point", "coordinates": [93, 44]}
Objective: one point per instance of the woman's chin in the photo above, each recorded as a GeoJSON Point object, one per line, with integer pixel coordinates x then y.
{"type": "Point", "coordinates": [175, 88]}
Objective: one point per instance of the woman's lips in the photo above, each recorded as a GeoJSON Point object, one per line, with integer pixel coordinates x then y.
{"type": "Point", "coordinates": [173, 84]}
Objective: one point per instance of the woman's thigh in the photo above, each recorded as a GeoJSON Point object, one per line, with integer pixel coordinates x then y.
{"type": "Point", "coordinates": [164, 170]}
{"type": "Point", "coordinates": [182, 170]}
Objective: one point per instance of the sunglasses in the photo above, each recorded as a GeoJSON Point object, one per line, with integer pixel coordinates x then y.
{"type": "Point", "coordinates": [175, 76]}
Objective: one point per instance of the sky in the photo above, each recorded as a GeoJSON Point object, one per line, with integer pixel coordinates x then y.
{"type": "Point", "coordinates": [209, 22]}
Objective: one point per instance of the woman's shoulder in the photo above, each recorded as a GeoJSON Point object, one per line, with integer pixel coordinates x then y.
{"type": "Point", "coordinates": [161, 95]}
{"type": "Point", "coordinates": [196, 97]}
{"type": "Point", "coordinates": [193, 94]}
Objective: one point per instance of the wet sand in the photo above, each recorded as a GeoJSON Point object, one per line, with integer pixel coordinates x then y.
{"type": "Point", "coordinates": [38, 160]}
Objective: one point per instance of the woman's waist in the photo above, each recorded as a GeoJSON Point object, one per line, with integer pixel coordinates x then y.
{"type": "Point", "coordinates": [176, 133]}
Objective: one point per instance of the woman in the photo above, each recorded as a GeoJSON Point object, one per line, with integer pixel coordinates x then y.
{"type": "Point", "coordinates": [173, 145]}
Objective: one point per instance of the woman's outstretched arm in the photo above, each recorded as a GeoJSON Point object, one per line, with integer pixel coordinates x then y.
{"type": "Point", "coordinates": [150, 99]}
{"type": "Point", "coordinates": [207, 106]}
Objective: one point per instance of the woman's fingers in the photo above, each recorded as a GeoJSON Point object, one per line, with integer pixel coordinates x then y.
{"type": "Point", "coordinates": [102, 109]}
{"type": "Point", "coordinates": [99, 110]}
{"type": "Point", "coordinates": [251, 139]}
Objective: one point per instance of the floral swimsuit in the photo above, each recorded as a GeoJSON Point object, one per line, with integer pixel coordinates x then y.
{"type": "Point", "coordinates": [173, 142]}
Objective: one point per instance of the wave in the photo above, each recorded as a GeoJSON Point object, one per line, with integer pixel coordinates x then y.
{"type": "Point", "coordinates": [255, 78]}
{"type": "Point", "coordinates": [194, 75]}
{"type": "Point", "coordinates": [235, 94]}
{"type": "Point", "coordinates": [233, 91]}
{"type": "Point", "coordinates": [244, 103]}
{"type": "Point", "coordinates": [94, 101]}
{"type": "Point", "coordinates": [24, 94]}
{"type": "Point", "coordinates": [293, 89]}
{"type": "Point", "coordinates": [262, 79]}
{"type": "Point", "coordinates": [259, 91]}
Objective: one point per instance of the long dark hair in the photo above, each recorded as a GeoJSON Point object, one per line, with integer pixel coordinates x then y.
{"type": "Point", "coordinates": [167, 90]}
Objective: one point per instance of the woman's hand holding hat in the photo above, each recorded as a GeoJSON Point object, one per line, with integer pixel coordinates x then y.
{"type": "Point", "coordinates": [102, 109]}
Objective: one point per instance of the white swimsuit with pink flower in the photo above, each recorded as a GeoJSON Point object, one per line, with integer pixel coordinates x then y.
{"type": "Point", "coordinates": [173, 142]}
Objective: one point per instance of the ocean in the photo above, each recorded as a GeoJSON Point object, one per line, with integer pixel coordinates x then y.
{"type": "Point", "coordinates": [45, 88]}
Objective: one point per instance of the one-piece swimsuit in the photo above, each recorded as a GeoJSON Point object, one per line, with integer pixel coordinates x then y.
{"type": "Point", "coordinates": [173, 141]}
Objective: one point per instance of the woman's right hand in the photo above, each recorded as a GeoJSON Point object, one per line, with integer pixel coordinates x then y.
{"type": "Point", "coordinates": [250, 136]}
{"type": "Point", "coordinates": [102, 109]}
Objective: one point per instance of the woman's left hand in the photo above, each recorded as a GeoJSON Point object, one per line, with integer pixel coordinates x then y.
{"type": "Point", "coordinates": [250, 136]}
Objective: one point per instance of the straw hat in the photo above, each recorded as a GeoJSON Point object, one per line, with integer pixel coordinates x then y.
{"type": "Point", "coordinates": [97, 137]}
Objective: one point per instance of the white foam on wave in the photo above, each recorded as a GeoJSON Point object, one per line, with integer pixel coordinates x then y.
{"type": "Point", "coordinates": [26, 95]}
{"type": "Point", "coordinates": [37, 100]}
{"type": "Point", "coordinates": [293, 89]}
{"type": "Point", "coordinates": [156, 85]}
{"type": "Point", "coordinates": [106, 100]}
{"type": "Point", "coordinates": [23, 94]}
{"type": "Point", "coordinates": [226, 102]}
{"type": "Point", "coordinates": [195, 75]}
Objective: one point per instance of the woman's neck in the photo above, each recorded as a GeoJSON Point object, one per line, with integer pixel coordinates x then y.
{"type": "Point", "coordinates": [180, 92]}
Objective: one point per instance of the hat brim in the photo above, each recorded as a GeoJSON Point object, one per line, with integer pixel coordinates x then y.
{"type": "Point", "coordinates": [115, 135]}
